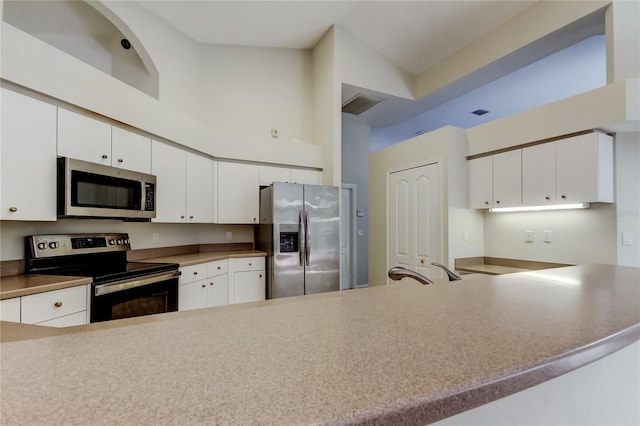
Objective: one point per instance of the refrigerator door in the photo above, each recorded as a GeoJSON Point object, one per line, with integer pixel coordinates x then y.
{"type": "Point", "coordinates": [322, 224]}
{"type": "Point", "coordinates": [286, 274]}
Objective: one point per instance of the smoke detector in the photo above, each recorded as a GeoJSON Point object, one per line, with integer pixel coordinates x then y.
{"type": "Point", "coordinates": [360, 103]}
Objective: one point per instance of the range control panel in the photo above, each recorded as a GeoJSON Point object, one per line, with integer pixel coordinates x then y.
{"type": "Point", "coordinates": [62, 245]}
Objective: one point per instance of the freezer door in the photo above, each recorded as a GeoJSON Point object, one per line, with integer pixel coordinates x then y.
{"type": "Point", "coordinates": [322, 256]}
{"type": "Point", "coordinates": [286, 274]}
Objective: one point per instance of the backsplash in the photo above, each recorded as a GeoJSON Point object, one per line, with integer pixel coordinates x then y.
{"type": "Point", "coordinates": [577, 236]}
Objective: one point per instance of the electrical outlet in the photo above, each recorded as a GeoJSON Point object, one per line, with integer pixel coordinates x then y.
{"type": "Point", "coordinates": [547, 236]}
{"type": "Point", "coordinates": [528, 236]}
{"type": "Point", "coordinates": [155, 237]}
{"type": "Point", "coordinates": [229, 235]}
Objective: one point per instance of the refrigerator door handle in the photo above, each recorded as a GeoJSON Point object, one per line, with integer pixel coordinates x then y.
{"type": "Point", "coordinates": [307, 238]}
{"type": "Point", "coordinates": [302, 238]}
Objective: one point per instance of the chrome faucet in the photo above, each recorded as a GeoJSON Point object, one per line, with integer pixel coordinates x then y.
{"type": "Point", "coordinates": [452, 275]}
{"type": "Point", "coordinates": [397, 273]}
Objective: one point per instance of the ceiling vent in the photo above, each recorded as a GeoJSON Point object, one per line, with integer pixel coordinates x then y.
{"type": "Point", "coordinates": [359, 104]}
{"type": "Point", "coordinates": [480, 112]}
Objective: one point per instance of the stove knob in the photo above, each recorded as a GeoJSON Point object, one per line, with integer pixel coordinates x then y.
{"type": "Point", "coordinates": [53, 245]}
{"type": "Point", "coordinates": [126, 241]}
{"type": "Point", "coordinates": [119, 241]}
{"type": "Point", "coordinates": [42, 246]}
{"type": "Point", "coordinates": [112, 242]}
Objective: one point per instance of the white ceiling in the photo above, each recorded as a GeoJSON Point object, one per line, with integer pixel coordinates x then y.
{"type": "Point", "coordinates": [414, 35]}
{"type": "Point", "coordinates": [411, 34]}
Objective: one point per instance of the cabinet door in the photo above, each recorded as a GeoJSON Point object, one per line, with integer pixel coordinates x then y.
{"type": "Point", "coordinates": [306, 177]}
{"type": "Point", "coordinates": [481, 183]}
{"type": "Point", "coordinates": [83, 138]}
{"type": "Point", "coordinates": [507, 179]}
{"type": "Point", "coordinates": [218, 290]}
{"type": "Point", "coordinates": [270, 174]}
{"type": "Point", "coordinates": [28, 134]}
{"type": "Point", "coordinates": [249, 286]}
{"type": "Point", "coordinates": [130, 151]}
{"type": "Point", "coordinates": [199, 200]}
{"type": "Point", "coordinates": [169, 166]}
{"type": "Point", "coordinates": [10, 310]}
{"type": "Point", "coordinates": [585, 169]}
{"type": "Point", "coordinates": [539, 174]}
{"type": "Point", "coordinates": [238, 193]}
{"type": "Point", "coordinates": [192, 295]}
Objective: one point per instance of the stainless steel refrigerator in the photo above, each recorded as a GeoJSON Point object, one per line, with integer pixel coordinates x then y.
{"type": "Point", "coordinates": [300, 232]}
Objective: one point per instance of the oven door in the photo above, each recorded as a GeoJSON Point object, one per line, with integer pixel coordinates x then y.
{"type": "Point", "coordinates": [134, 297]}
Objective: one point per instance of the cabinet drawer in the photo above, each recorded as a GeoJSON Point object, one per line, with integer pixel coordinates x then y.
{"type": "Point", "coordinates": [218, 267]}
{"type": "Point", "coordinates": [248, 264]}
{"type": "Point", "coordinates": [79, 318]}
{"type": "Point", "coordinates": [41, 307]}
{"type": "Point", "coordinates": [193, 273]}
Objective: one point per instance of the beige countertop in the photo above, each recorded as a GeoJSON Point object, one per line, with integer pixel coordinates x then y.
{"type": "Point", "coordinates": [398, 354]}
{"type": "Point", "coordinates": [24, 285]}
{"type": "Point", "coordinates": [195, 258]}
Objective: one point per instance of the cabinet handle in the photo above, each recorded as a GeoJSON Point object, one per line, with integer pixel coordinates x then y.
{"type": "Point", "coordinates": [57, 304]}
{"type": "Point", "coordinates": [563, 197]}
{"type": "Point", "coordinates": [486, 202]}
{"type": "Point", "coordinates": [181, 216]}
{"type": "Point", "coordinates": [254, 219]}
{"type": "Point", "coordinates": [497, 201]}
{"type": "Point", "coordinates": [120, 160]}
{"type": "Point", "coordinates": [547, 198]}
{"type": "Point", "coordinates": [13, 209]}
{"type": "Point", "coordinates": [219, 268]}
{"type": "Point", "coordinates": [260, 275]}
{"type": "Point", "coordinates": [190, 217]}
{"type": "Point", "coordinates": [422, 261]}
{"type": "Point", "coordinates": [211, 283]}
{"type": "Point", "coordinates": [195, 272]}
{"type": "Point", "coordinates": [203, 286]}
{"type": "Point", "coordinates": [249, 264]}
{"type": "Point", "coordinates": [105, 156]}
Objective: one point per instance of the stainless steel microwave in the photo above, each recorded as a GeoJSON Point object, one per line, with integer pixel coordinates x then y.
{"type": "Point", "coordinates": [95, 190]}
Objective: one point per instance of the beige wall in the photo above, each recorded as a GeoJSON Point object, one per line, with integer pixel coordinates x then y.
{"type": "Point", "coordinates": [445, 145]}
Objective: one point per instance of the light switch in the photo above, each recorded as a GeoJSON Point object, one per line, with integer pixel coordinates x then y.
{"type": "Point", "coordinates": [547, 236]}
{"type": "Point", "coordinates": [528, 236]}
{"type": "Point", "coordinates": [627, 239]}
{"type": "Point", "coordinates": [465, 235]}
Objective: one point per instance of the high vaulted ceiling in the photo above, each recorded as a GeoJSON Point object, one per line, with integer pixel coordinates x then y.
{"type": "Point", "coordinates": [411, 34]}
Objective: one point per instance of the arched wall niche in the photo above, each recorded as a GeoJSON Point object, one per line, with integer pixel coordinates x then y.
{"type": "Point", "coordinates": [90, 32]}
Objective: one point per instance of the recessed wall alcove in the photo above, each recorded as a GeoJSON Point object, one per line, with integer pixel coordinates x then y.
{"type": "Point", "coordinates": [85, 31]}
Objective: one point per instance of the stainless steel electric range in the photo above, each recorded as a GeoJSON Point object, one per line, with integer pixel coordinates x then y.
{"type": "Point", "coordinates": [120, 289]}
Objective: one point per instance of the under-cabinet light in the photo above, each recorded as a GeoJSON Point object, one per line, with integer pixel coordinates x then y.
{"type": "Point", "coordinates": [541, 208]}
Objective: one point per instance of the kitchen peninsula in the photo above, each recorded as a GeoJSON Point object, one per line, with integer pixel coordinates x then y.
{"type": "Point", "coordinates": [397, 354]}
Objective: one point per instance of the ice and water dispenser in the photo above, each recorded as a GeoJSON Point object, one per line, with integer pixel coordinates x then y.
{"type": "Point", "coordinates": [289, 238]}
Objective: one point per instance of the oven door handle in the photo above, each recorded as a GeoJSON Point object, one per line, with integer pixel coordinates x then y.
{"type": "Point", "coordinates": [102, 289]}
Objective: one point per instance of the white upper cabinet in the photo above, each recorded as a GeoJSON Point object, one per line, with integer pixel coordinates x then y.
{"type": "Point", "coordinates": [169, 165]}
{"type": "Point", "coordinates": [92, 140]}
{"type": "Point", "coordinates": [130, 150]}
{"type": "Point", "coordinates": [270, 174]}
{"type": "Point", "coordinates": [200, 189]}
{"type": "Point", "coordinates": [539, 174]}
{"type": "Point", "coordinates": [573, 170]}
{"type": "Point", "coordinates": [307, 177]}
{"type": "Point", "coordinates": [507, 175]}
{"type": "Point", "coordinates": [28, 158]}
{"type": "Point", "coordinates": [238, 193]}
{"type": "Point", "coordinates": [184, 186]}
{"type": "Point", "coordinates": [584, 169]}
{"type": "Point", "coordinates": [481, 183]}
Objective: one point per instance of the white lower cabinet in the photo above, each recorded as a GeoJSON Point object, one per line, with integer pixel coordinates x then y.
{"type": "Point", "coordinates": [203, 286]}
{"type": "Point", "coordinates": [10, 310]}
{"type": "Point", "coordinates": [58, 308]}
{"type": "Point", "coordinates": [222, 282]}
{"type": "Point", "coordinates": [247, 280]}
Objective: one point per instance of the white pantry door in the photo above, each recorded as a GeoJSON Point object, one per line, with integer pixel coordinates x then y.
{"type": "Point", "coordinates": [415, 222]}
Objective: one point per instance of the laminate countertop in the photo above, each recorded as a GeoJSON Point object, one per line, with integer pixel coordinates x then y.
{"type": "Point", "coordinates": [397, 354]}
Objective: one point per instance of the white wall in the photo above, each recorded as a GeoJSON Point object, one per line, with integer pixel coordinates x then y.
{"type": "Point", "coordinates": [13, 233]}
{"type": "Point", "coordinates": [623, 40]}
{"type": "Point", "coordinates": [627, 208]}
{"type": "Point", "coordinates": [355, 170]}
{"type": "Point", "coordinates": [578, 236]}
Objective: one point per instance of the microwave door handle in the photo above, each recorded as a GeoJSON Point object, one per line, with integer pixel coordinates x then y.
{"type": "Point", "coordinates": [301, 238]}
